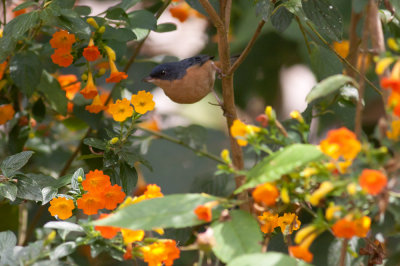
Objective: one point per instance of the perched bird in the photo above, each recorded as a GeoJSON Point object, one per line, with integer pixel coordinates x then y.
{"type": "Point", "coordinates": [186, 81]}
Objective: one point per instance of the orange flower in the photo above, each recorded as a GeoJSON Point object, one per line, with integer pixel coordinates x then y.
{"type": "Point", "coordinates": [160, 252]}
{"type": "Point", "coordinates": [65, 81]}
{"type": "Point", "coordinates": [183, 11]}
{"type": "Point", "coordinates": [266, 193]}
{"type": "Point", "coordinates": [203, 213]}
{"type": "Point", "coordinates": [96, 181]}
{"type": "Point", "coordinates": [107, 231]}
{"type": "Point", "coordinates": [128, 252]}
{"type": "Point", "coordinates": [62, 39]}
{"type": "Point", "coordinates": [391, 83]}
{"type": "Point", "coordinates": [153, 191]}
{"type": "Point", "coordinates": [70, 107]}
{"type": "Point", "coordinates": [96, 106]}
{"type": "Point", "coordinates": [90, 90]}
{"type": "Point", "coordinates": [91, 202]}
{"type": "Point", "coordinates": [394, 132]}
{"type": "Point", "coordinates": [345, 228]}
{"type": "Point", "coordinates": [301, 252]}
{"type": "Point", "coordinates": [115, 75]}
{"type": "Point", "coordinates": [19, 12]}
{"type": "Point", "coordinates": [151, 124]}
{"type": "Point", "coordinates": [288, 222]}
{"type": "Point", "coordinates": [91, 52]}
{"type": "Point", "coordinates": [363, 225]}
{"type": "Point", "coordinates": [3, 67]}
{"type": "Point", "coordinates": [341, 142]}
{"type": "Point", "coordinates": [238, 129]}
{"type": "Point", "coordinates": [394, 103]}
{"type": "Point", "coordinates": [269, 222]}
{"type": "Point", "coordinates": [131, 236]}
{"type": "Point", "coordinates": [113, 196]}
{"type": "Point", "coordinates": [121, 110]}
{"type": "Point", "coordinates": [62, 207]}
{"type": "Point", "coordinates": [372, 181]}
{"type": "Point", "coordinates": [62, 57]}
{"type": "Point", "coordinates": [6, 113]}
{"type": "Point", "coordinates": [143, 102]}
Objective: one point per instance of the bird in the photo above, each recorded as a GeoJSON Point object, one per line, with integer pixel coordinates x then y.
{"type": "Point", "coordinates": [186, 81]}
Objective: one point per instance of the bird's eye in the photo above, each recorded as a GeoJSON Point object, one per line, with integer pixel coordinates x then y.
{"type": "Point", "coordinates": [162, 72]}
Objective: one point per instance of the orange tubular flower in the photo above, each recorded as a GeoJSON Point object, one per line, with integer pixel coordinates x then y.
{"type": "Point", "coordinates": [91, 203]}
{"type": "Point", "coordinates": [6, 113]}
{"type": "Point", "coordinates": [90, 90]}
{"type": "Point", "coordinates": [72, 89]}
{"type": "Point", "coordinates": [288, 223]}
{"type": "Point", "coordinates": [153, 191]}
{"type": "Point", "coordinates": [266, 193]}
{"type": "Point", "coordinates": [96, 181]}
{"type": "Point", "coordinates": [301, 251]}
{"type": "Point", "coordinates": [203, 213]}
{"type": "Point", "coordinates": [394, 103]}
{"type": "Point", "coordinates": [341, 142]}
{"type": "Point", "coordinates": [143, 102]}
{"type": "Point", "coordinates": [128, 252]}
{"type": "Point", "coordinates": [120, 110]}
{"type": "Point", "coordinates": [62, 57]}
{"type": "Point", "coordinates": [113, 196]}
{"type": "Point", "coordinates": [345, 228]}
{"type": "Point", "coordinates": [269, 222]}
{"type": "Point", "coordinates": [62, 207]}
{"type": "Point", "coordinates": [91, 52]}
{"type": "Point", "coordinates": [96, 106]}
{"type": "Point", "coordinates": [393, 82]}
{"type": "Point", "coordinates": [131, 236]}
{"type": "Point", "coordinates": [372, 181]}
{"type": "Point", "coordinates": [363, 225]}
{"type": "Point", "coordinates": [3, 67]}
{"type": "Point", "coordinates": [62, 39]}
{"type": "Point", "coordinates": [115, 75]}
{"type": "Point", "coordinates": [160, 252]}
{"type": "Point", "coordinates": [107, 231]}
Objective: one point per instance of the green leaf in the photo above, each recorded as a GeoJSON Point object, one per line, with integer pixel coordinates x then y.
{"type": "Point", "coordinates": [324, 62]}
{"type": "Point", "coordinates": [128, 177]}
{"type": "Point", "coordinates": [25, 5]}
{"type": "Point", "coordinates": [63, 250]}
{"type": "Point", "coordinates": [195, 136]}
{"type": "Point", "coordinates": [142, 19]}
{"type": "Point", "coordinates": [71, 21]}
{"type": "Point", "coordinates": [281, 162]}
{"type": "Point", "coordinates": [293, 6]}
{"type": "Point", "coordinates": [83, 10]}
{"type": "Point", "coordinates": [28, 189]}
{"type": "Point", "coordinates": [325, 16]}
{"type": "Point", "coordinates": [120, 34]}
{"type": "Point", "coordinates": [281, 19]}
{"type": "Point", "coordinates": [64, 3]}
{"type": "Point", "coordinates": [328, 86]}
{"type": "Point", "coordinates": [172, 211]}
{"type": "Point", "coordinates": [61, 225]}
{"type": "Point", "coordinates": [62, 181]}
{"type": "Point", "coordinates": [126, 4]}
{"type": "Point", "coordinates": [26, 71]}
{"type": "Point", "coordinates": [51, 89]}
{"type": "Point", "coordinates": [264, 8]}
{"type": "Point", "coordinates": [139, 33]}
{"type": "Point", "coordinates": [165, 27]}
{"type": "Point", "coordinates": [116, 13]}
{"type": "Point", "coordinates": [15, 162]}
{"type": "Point", "coordinates": [7, 240]}
{"type": "Point", "coordinates": [48, 193]}
{"type": "Point", "coordinates": [196, 5]}
{"type": "Point", "coordinates": [8, 190]}
{"type": "Point", "coordinates": [74, 180]}
{"type": "Point", "coordinates": [39, 110]}
{"type": "Point", "coordinates": [269, 258]}
{"type": "Point", "coordinates": [96, 143]}
{"type": "Point", "coordinates": [239, 235]}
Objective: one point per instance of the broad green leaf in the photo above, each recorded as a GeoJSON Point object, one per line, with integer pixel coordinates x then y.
{"type": "Point", "coordinates": [25, 5]}
{"type": "Point", "coordinates": [172, 211]}
{"type": "Point", "coordinates": [120, 34]}
{"type": "Point", "coordinates": [165, 27]}
{"type": "Point", "coordinates": [51, 89]}
{"type": "Point", "coordinates": [48, 193]}
{"type": "Point", "coordinates": [28, 189]}
{"type": "Point", "coordinates": [238, 235]}
{"type": "Point", "coordinates": [74, 180]}
{"type": "Point", "coordinates": [324, 62]}
{"type": "Point", "coordinates": [64, 3]}
{"type": "Point", "coordinates": [126, 4]}
{"type": "Point", "coordinates": [325, 16]}
{"type": "Point", "coordinates": [129, 177]}
{"type": "Point", "coordinates": [61, 225]}
{"type": "Point", "coordinates": [7, 240]}
{"type": "Point", "coordinates": [328, 86]}
{"type": "Point", "coordinates": [281, 162]}
{"type": "Point", "coordinates": [142, 19]}
{"type": "Point", "coordinates": [8, 190]}
{"type": "Point", "coordinates": [39, 110]}
{"type": "Point", "coordinates": [264, 8]}
{"type": "Point", "coordinates": [140, 33]}
{"type": "Point", "coordinates": [63, 250]}
{"type": "Point", "coordinates": [116, 13]}
{"type": "Point", "coordinates": [293, 6]}
{"type": "Point", "coordinates": [83, 10]}
{"type": "Point", "coordinates": [15, 162]}
{"type": "Point", "coordinates": [195, 136]}
{"type": "Point", "coordinates": [26, 71]}
{"type": "Point", "coordinates": [96, 143]}
{"type": "Point", "coordinates": [281, 19]}
{"type": "Point", "coordinates": [269, 258]}
{"type": "Point", "coordinates": [71, 21]}
{"type": "Point", "coordinates": [62, 181]}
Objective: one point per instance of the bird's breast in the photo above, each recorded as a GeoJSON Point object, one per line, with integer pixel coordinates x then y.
{"type": "Point", "coordinates": [194, 86]}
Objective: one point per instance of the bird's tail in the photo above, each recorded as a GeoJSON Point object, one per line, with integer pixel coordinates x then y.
{"type": "Point", "coordinates": [233, 60]}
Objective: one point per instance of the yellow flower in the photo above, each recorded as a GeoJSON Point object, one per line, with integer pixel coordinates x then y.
{"type": "Point", "coordinates": [62, 207]}
{"type": "Point", "coordinates": [131, 236]}
{"type": "Point", "coordinates": [288, 222]}
{"type": "Point", "coordinates": [121, 110]}
{"type": "Point", "coordinates": [270, 113]}
{"type": "Point", "coordinates": [332, 211]}
{"type": "Point", "coordinates": [92, 22]}
{"type": "Point", "coordinates": [285, 195]}
{"type": "Point", "coordinates": [96, 106]}
{"type": "Point", "coordinates": [143, 102]}
{"type": "Point", "coordinates": [304, 233]}
{"type": "Point", "coordinates": [392, 44]}
{"type": "Point", "coordinates": [114, 140]}
{"type": "Point", "coordinates": [342, 48]}
{"type": "Point", "coordinates": [383, 64]}
{"type": "Point", "coordinates": [323, 189]}
{"type": "Point", "coordinates": [394, 132]}
{"type": "Point", "coordinates": [296, 115]}
{"type": "Point", "coordinates": [162, 251]}
{"type": "Point", "coordinates": [238, 131]}
{"type": "Point", "coordinates": [351, 188]}
{"type": "Point", "coordinates": [225, 156]}
{"type": "Point", "coordinates": [268, 221]}
{"type": "Point", "coordinates": [308, 171]}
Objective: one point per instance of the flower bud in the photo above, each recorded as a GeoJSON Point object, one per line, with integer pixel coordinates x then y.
{"type": "Point", "coordinates": [270, 113]}
{"type": "Point", "coordinates": [101, 30]}
{"type": "Point", "coordinates": [84, 76]}
{"type": "Point", "coordinates": [296, 115]}
{"type": "Point", "coordinates": [114, 140]}
{"type": "Point", "coordinates": [285, 195]}
{"type": "Point", "coordinates": [101, 72]}
{"type": "Point", "coordinates": [92, 22]}
{"type": "Point", "coordinates": [79, 179]}
{"type": "Point", "coordinates": [225, 156]}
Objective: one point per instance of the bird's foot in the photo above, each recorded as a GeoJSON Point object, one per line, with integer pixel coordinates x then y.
{"type": "Point", "coordinates": [218, 70]}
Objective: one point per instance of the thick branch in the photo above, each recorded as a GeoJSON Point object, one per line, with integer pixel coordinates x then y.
{"type": "Point", "coordinates": [354, 43]}
{"type": "Point", "coordinates": [215, 19]}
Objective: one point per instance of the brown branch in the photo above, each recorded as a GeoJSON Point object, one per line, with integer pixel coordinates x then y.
{"type": "Point", "coordinates": [343, 252]}
{"type": "Point", "coordinates": [215, 19]}
{"type": "Point", "coordinates": [4, 13]}
{"type": "Point", "coordinates": [22, 223]}
{"type": "Point", "coordinates": [246, 50]}
{"type": "Point", "coordinates": [354, 43]}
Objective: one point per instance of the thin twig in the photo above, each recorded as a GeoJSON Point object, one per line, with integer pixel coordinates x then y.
{"type": "Point", "coordinates": [4, 13]}
{"type": "Point", "coordinates": [22, 222]}
{"type": "Point", "coordinates": [215, 19]}
{"type": "Point", "coordinates": [304, 35]}
{"type": "Point", "coordinates": [246, 51]}
{"type": "Point", "coordinates": [343, 252]}
{"type": "Point", "coordinates": [182, 143]}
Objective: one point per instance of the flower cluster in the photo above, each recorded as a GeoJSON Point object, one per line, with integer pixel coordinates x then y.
{"type": "Point", "coordinates": [62, 42]}
{"type": "Point", "coordinates": [288, 223]}
{"type": "Point", "coordinates": [182, 11]}
{"type": "Point", "coordinates": [6, 113]}
{"type": "Point", "coordinates": [241, 131]}
{"type": "Point", "coordinates": [115, 75]}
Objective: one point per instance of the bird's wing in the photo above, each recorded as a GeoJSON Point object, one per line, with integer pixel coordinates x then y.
{"type": "Point", "coordinates": [196, 60]}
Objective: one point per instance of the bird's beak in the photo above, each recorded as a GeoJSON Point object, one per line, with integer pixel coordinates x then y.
{"type": "Point", "coordinates": [148, 79]}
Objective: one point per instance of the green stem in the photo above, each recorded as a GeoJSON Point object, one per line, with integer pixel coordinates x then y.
{"type": "Point", "coordinates": [180, 142]}
{"type": "Point", "coordinates": [304, 35]}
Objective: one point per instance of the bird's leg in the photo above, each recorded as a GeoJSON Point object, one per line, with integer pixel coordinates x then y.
{"type": "Point", "coordinates": [218, 70]}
